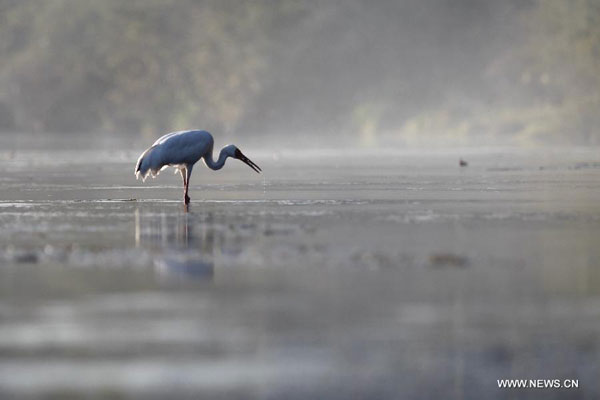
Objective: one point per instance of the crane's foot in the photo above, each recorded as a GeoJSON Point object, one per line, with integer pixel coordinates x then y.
{"type": "Point", "coordinates": [186, 199]}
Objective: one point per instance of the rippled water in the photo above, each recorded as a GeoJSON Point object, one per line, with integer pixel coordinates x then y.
{"type": "Point", "coordinates": [332, 275]}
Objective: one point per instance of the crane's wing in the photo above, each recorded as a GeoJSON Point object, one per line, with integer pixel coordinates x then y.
{"type": "Point", "coordinates": [164, 138]}
{"type": "Point", "coordinates": [176, 148]}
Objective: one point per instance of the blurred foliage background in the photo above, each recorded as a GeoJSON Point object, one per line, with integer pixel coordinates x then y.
{"type": "Point", "coordinates": [373, 73]}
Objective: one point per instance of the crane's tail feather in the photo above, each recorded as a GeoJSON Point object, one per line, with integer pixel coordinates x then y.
{"type": "Point", "coordinates": [149, 163]}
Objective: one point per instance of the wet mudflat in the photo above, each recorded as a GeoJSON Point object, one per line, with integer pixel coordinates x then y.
{"type": "Point", "coordinates": [366, 275]}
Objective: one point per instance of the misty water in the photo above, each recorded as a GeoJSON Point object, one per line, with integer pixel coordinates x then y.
{"type": "Point", "coordinates": [351, 274]}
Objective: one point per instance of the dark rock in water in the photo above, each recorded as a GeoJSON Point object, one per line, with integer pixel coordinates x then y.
{"type": "Point", "coordinates": [462, 163]}
{"type": "Point", "coordinates": [448, 260]}
{"type": "Point", "coordinates": [25, 257]}
{"type": "Point", "coordinates": [585, 165]}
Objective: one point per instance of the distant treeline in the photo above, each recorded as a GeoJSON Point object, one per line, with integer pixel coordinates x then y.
{"type": "Point", "coordinates": [413, 72]}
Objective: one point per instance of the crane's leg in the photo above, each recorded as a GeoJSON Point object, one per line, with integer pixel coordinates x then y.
{"type": "Point", "coordinates": [183, 172]}
{"type": "Point", "coordinates": [183, 175]}
{"type": "Point", "coordinates": [188, 173]}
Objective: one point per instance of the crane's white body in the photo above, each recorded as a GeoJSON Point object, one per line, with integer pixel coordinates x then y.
{"type": "Point", "coordinates": [182, 150]}
{"type": "Point", "coordinates": [176, 149]}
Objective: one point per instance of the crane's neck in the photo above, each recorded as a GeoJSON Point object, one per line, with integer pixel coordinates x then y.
{"type": "Point", "coordinates": [215, 165]}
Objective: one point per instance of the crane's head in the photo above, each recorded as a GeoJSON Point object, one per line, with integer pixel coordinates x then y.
{"type": "Point", "coordinates": [236, 153]}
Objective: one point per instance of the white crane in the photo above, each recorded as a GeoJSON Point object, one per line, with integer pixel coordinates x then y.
{"type": "Point", "coordinates": [182, 150]}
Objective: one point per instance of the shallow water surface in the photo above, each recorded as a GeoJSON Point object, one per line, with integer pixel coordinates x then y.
{"type": "Point", "coordinates": [331, 275]}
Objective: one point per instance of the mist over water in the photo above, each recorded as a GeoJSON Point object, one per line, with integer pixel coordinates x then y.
{"type": "Point", "coordinates": [332, 274]}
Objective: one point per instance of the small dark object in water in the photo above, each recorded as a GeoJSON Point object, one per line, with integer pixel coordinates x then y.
{"type": "Point", "coordinates": [583, 165]}
{"type": "Point", "coordinates": [448, 260]}
{"type": "Point", "coordinates": [463, 163]}
{"type": "Point", "coordinates": [26, 257]}
{"type": "Point", "coordinates": [130, 199]}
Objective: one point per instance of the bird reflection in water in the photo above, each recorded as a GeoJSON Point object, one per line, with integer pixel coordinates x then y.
{"type": "Point", "coordinates": [184, 243]}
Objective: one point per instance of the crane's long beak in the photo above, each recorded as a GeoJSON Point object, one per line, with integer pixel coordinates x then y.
{"type": "Point", "coordinates": [249, 162]}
